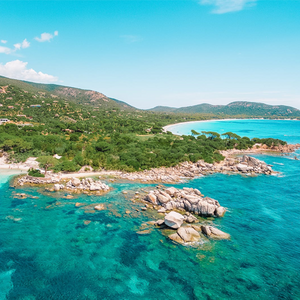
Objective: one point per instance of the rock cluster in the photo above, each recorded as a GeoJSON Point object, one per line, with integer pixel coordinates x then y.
{"type": "Point", "coordinates": [37, 180]}
{"type": "Point", "coordinates": [245, 164]}
{"type": "Point", "coordinates": [248, 164]}
{"type": "Point", "coordinates": [87, 184]}
{"type": "Point", "coordinates": [189, 233]}
{"type": "Point", "coordinates": [188, 199]}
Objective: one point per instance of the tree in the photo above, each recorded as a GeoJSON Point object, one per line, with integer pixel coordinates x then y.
{"type": "Point", "coordinates": [47, 162]}
{"type": "Point", "coordinates": [194, 132]}
{"type": "Point", "coordinates": [211, 134]}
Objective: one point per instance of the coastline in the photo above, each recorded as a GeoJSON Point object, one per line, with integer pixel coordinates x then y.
{"type": "Point", "coordinates": [235, 162]}
{"type": "Point", "coordinates": [167, 127]}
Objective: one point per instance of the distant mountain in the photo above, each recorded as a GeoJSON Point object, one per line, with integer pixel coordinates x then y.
{"type": "Point", "coordinates": [234, 108]}
{"type": "Point", "coordinates": [78, 96]}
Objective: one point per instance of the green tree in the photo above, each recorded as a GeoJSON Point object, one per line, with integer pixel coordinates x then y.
{"type": "Point", "coordinates": [46, 162]}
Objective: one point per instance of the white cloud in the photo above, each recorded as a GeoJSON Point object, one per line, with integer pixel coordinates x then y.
{"type": "Point", "coordinates": [5, 50]}
{"type": "Point", "coordinates": [18, 70]}
{"type": "Point", "coordinates": [3, 41]}
{"type": "Point", "coordinates": [46, 37]}
{"type": "Point", "coordinates": [18, 46]}
{"type": "Point", "coordinates": [25, 44]}
{"type": "Point", "coordinates": [226, 6]}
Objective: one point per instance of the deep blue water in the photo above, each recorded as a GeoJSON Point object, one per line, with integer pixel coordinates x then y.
{"type": "Point", "coordinates": [46, 251]}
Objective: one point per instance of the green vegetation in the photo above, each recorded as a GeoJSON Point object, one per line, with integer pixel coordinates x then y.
{"type": "Point", "coordinates": [239, 109]}
{"type": "Point", "coordinates": [35, 173]}
{"type": "Point", "coordinates": [44, 124]}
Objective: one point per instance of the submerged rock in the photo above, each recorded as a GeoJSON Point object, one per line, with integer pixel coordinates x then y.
{"type": "Point", "coordinates": [100, 207]}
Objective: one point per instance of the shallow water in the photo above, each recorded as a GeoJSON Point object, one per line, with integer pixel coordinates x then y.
{"type": "Point", "coordinates": [47, 252]}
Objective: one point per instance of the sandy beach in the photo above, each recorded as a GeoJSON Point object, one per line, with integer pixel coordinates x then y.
{"type": "Point", "coordinates": [167, 128]}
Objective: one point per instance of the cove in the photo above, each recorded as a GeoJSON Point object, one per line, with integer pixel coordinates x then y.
{"type": "Point", "coordinates": [46, 251]}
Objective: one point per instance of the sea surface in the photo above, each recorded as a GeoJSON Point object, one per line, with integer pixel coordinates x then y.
{"type": "Point", "coordinates": [48, 250]}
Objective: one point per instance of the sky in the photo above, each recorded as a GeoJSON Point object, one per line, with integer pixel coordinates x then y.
{"type": "Point", "coordinates": [158, 52]}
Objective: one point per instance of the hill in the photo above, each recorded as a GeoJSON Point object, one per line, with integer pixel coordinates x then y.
{"type": "Point", "coordinates": [235, 108]}
{"type": "Point", "coordinates": [70, 94]}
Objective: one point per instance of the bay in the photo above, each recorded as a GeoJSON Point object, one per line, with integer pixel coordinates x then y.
{"type": "Point", "coordinates": [47, 251]}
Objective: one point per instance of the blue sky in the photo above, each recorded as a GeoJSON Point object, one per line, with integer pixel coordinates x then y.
{"type": "Point", "coordinates": [161, 52]}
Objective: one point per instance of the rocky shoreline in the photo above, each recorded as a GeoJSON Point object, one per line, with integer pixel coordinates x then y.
{"type": "Point", "coordinates": [233, 163]}
{"type": "Point", "coordinates": [181, 209]}
{"type": "Point", "coordinates": [75, 185]}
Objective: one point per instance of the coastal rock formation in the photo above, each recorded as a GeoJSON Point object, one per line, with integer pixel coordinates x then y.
{"type": "Point", "coordinates": [75, 184]}
{"type": "Point", "coordinates": [185, 235]}
{"type": "Point", "coordinates": [174, 220]}
{"type": "Point", "coordinates": [188, 199]}
{"type": "Point", "coordinates": [37, 180]}
{"type": "Point", "coordinates": [188, 170]}
{"type": "Point", "coordinates": [87, 184]}
{"type": "Point", "coordinates": [215, 233]}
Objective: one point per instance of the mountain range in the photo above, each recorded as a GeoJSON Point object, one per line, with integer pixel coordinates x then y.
{"type": "Point", "coordinates": [100, 101]}
{"type": "Point", "coordinates": [234, 108]}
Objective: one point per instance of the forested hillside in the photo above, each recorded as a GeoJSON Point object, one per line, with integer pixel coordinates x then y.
{"type": "Point", "coordinates": [241, 108]}
{"type": "Point", "coordinates": [42, 124]}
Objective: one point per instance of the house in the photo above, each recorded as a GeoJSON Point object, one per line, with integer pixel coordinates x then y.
{"type": "Point", "coordinates": [10, 107]}
{"type": "Point", "coordinates": [35, 105]}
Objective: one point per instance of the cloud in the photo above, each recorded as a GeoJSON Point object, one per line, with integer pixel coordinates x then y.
{"type": "Point", "coordinates": [18, 70]}
{"type": "Point", "coordinates": [131, 38]}
{"type": "Point", "coordinates": [226, 6]}
{"type": "Point", "coordinates": [46, 37]}
{"type": "Point", "coordinates": [3, 41]}
{"type": "Point", "coordinates": [5, 50]}
{"type": "Point", "coordinates": [17, 46]}
{"type": "Point", "coordinates": [25, 44]}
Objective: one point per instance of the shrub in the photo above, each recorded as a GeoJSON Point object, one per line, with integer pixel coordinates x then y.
{"type": "Point", "coordinates": [35, 173]}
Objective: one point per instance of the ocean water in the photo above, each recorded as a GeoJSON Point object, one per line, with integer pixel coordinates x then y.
{"type": "Point", "coordinates": [48, 251]}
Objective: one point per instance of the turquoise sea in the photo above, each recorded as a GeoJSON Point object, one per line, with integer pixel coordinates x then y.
{"type": "Point", "coordinates": [48, 252]}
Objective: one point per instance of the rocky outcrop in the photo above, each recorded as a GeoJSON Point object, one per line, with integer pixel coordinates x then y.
{"type": "Point", "coordinates": [173, 220]}
{"type": "Point", "coordinates": [245, 164]}
{"type": "Point", "coordinates": [188, 199]}
{"type": "Point", "coordinates": [215, 233]}
{"type": "Point", "coordinates": [75, 184]}
{"type": "Point", "coordinates": [87, 184]}
{"type": "Point", "coordinates": [185, 235]}
{"type": "Point", "coordinates": [37, 180]}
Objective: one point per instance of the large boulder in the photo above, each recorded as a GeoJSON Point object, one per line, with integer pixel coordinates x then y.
{"type": "Point", "coordinates": [220, 211]}
{"type": "Point", "coordinates": [162, 199]}
{"type": "Point", "coordinates": [152, 198]}
{"type": "Point", "coordinates": [174, 220]}
{"type": "Point", "coordinates": [75, 182]}
{"type": "Point", "coordinates": [171, 191]}
{"type": "Point", "coordinates": [188, 234]}
{"type": "Point", "coordinates": [176, 238]}
{"type": "Point", "coordinates": [56, 187]}
{"type": "Point", "coordinates": [215, 233]}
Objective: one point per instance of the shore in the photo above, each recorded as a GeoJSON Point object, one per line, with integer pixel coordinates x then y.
{"type": "Point", "coordinates": [167, 127]}
{"type": "Point", "coordinates": [25, 166]}
{"type": "Point", "coordinates": [235, 162]}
